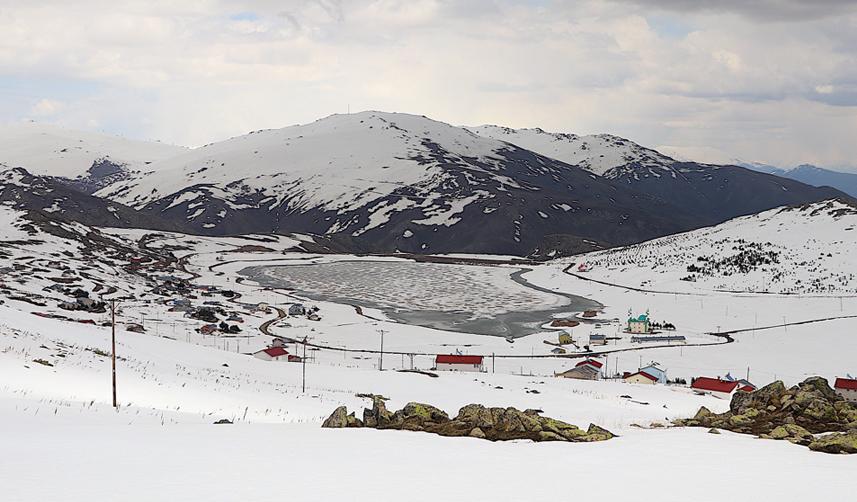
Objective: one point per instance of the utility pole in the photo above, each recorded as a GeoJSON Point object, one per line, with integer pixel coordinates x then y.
{"type": "Point", "coordinates": [381, 360]}
{"type": "Point", "coordinates": [113, 348]}
{"type": "Point", "coordinates": [492, 362]}
{"type": "Point", "coordinates": [303, 363]}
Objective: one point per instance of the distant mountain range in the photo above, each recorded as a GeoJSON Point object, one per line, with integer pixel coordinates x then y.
{"type": "Point", "coordinates": [811, 175]}
{"type": "Point", "coordinates": [385, 182]}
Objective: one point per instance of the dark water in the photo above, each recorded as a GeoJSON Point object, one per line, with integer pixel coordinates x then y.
{"type": "Point", "coordinates": [323, 282]}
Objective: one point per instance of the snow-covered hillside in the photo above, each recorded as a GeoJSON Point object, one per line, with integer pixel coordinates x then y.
{"type": "Point", "coordinates": [804, 249]}
{"type": "Point", "coordinates": [49, 150]}
{"type": "Point", "coordinates": [341, 161]}
{"type": "Point", "coordinates": [603, 154]}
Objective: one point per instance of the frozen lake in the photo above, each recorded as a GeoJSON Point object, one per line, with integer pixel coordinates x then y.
{"type": "Point", "coordinates": [471, 299]}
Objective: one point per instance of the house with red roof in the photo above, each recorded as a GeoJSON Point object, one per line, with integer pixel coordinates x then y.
{"type": "Point", "coordinates": [458, 362]}
{"type": "Point", "coordinates": [272, 354]}
{"type": "Point", "coordinates": [640, 377]}
{"type": "Point", "coordinates": [714, 386]}
{"type": "Point", "coordinates": [847, 388]}
{"type": "Point", "coordinates": [588, 369]}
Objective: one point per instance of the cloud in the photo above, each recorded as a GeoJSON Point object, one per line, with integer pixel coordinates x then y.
{"type": "Point", "coordinates": [46, 107]}
{"type": "Point", "coordinates": [710, 78]}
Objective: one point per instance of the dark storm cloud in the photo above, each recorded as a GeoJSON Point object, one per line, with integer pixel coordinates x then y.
{"type": "Point", "coordinates": [760, 10]}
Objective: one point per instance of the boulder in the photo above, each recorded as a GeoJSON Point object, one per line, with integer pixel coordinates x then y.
{"type": "Point", "coordinates": [792, 433]}
{"type": "Point", "coordinates": [836, 443]}
{"type": "Point", "coordinates": [340, 418]}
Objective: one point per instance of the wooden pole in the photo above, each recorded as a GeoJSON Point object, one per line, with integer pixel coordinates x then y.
{"type": "Point", "coordinates": [381, 360]}
{"type": "Point", "coordinates": [113, 348]}
{"type": "Point", "coordinates": [303, 362]}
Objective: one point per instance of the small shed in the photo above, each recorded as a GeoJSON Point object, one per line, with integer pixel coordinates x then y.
{"type": "Point", "coordinates": [640, 377]}
{"type": "Point", "coordinates": [456, 362]}
{"type": "Point", "coordinates": [714, 386]}
{"type": "Point", "coordinates": [589, 369]}
{"type": "Point", "coordinates": [847, 388]}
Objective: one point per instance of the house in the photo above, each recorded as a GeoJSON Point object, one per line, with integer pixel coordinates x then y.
{"type": "Point", "coordinates": [272, 354]}
{"type": "Point", "coordinates": [297, 309]}
{"type": "Point", "coordinates": [656, 372]}
{"type": "Point", "coordinates": [583, 267]}
{"type": "Point", "coordinates": [581, 372]}
{"type": "Point", "coordinates": [640, 378]}
{"type": "Point", "coordinates": [558, 350]}
{"type": "Point", "coordinates": [658, 338]}
{"type": "Point", "coordinates": [714, 386]}
{"type": "Point", "coordinates": [263, 307]}
{"type": "Point", "coordinates": [208, 329]}
{"type": "Point", "coordinates": [455, 362]}
{"type": "Point", "coordinates": [597, 339]}
{"type": "Point", "coordinates": [278, 342]}
{"type": "Point", "coordinates": [639, 324]}
{"type": "Point", "coordinates": [847, 388]}
{"type": "Point", "coordinates": [565, 339]}
{"type": "Point", "coordinates": [745, 385]}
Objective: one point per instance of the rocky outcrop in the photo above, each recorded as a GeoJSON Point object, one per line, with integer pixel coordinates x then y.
{"type": "Point", "coordinates": [795, 414]}
{"type": "Point", "coordinates": [473, 420]}
{"type": "Point", "coordinates": [340, 418]}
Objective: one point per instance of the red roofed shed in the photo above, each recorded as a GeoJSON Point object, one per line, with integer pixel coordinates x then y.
{"type": "Point", "coordinates": [713, 385]}
{"type": "Point", "coordinates": [847, 388]}
{"type": "Point", "coordinates": [458, 362]}
{"type": "Point", "coordinates": [272, 354]}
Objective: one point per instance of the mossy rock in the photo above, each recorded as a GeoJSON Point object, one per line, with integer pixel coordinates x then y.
{"type": "Point", "coordinates": [836, 443]}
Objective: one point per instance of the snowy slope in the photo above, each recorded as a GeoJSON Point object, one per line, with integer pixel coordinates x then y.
{"type": "Point", "coordinates": [603, 154]}
{"type": "Point", "coordinates": [805, 249]}
{"type": "Point", "coordinates": [49, 150]}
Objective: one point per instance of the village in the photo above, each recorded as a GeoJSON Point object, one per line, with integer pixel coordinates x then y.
{"type": "Point", "coordinates": [194, 299]}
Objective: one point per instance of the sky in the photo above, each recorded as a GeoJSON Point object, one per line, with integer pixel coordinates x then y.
{"type": "Point", "coordinates": [772, 81]}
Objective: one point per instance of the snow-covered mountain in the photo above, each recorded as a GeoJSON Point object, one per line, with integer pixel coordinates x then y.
{"type": "Point", "coordinates": [603, 154]}
{"type": "Point", "coordinates": [381, 181]}
{"type": "Point", "coordinates": [385, 182]}
{"type": "Point", "coordinates": [388, 181]}
{"type": "Point", "coordinates": [48, 150]}
{"type": "Point", "coordinates": [802, 249]}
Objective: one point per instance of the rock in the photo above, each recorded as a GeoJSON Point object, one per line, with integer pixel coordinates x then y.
{"type": "Point", "coordinates": [223, 421]}
{"type": "Point", "coordinates": [793, 433]}
{"type": "Point", "coordinates": [474, 420]}
{"type": "Point", "coordinates": [714, 431]}
{"type": "Point", "coordinates": [596, 433]}
{"type": "Point", "coordinates": [477, 433]}
{"type": "Point", "coordinates": [836, 443]}
{"type": "Point", "coordinates": [775, 412]}
{"type": "Point", "coordinates": [340, 418]}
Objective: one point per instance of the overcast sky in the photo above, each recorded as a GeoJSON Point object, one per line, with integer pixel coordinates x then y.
{"type": "Point", "coordinates": [770, 80]}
